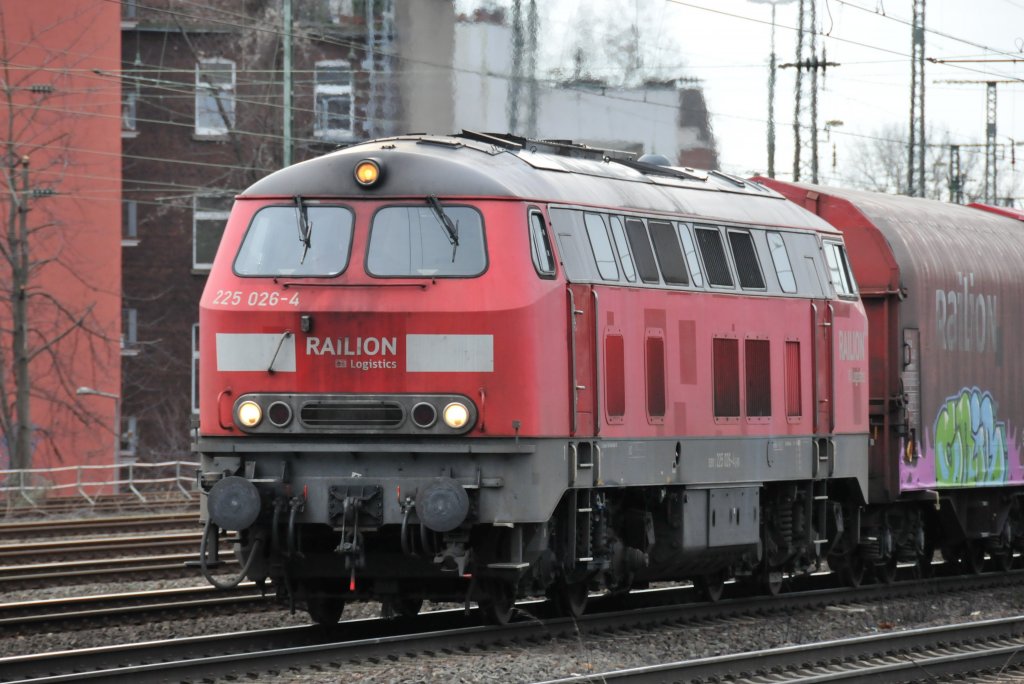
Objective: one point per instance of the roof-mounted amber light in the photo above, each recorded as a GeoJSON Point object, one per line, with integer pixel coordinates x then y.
{"type": "Point", "coordinates": [368, 172]}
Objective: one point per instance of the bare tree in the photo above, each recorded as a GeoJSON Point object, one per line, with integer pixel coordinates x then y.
{"type": "Point", "coordinates": [622, 43]}
{"type": "Point", "coordinates": [879, 162]}
{"type": "Point", "coordinates": [46, 336]}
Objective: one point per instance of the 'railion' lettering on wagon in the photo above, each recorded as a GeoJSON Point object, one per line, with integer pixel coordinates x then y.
{"type": "Point", "coordinates": [351, 346]}
{"type": "Point", "coordinates": [965, 320]}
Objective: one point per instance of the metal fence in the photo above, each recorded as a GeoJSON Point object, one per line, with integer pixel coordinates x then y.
{"type": "Point", "coordinates": [90, 481]}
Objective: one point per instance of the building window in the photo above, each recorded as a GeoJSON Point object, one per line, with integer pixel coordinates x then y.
{"type": "Point", "coordinates": [129, 439]}
{"type": "Point", "coordinates": [130, 223]}
{"type": "Point", "coordinates": [195, 368]}
{"type": "Point", "coordinates": [129, 100]}
{"type": "Point", "coordinates": [209, 213]}
{"type": "Point", "coordinates": [333, 95]}
{"type": "Point", "coordinates": [215, 97]}
{"type": "Point", "coordinates": [129, 332]}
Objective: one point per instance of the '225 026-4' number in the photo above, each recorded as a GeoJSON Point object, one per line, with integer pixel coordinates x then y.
{"type": "Point", "coordinates": [235, 298]}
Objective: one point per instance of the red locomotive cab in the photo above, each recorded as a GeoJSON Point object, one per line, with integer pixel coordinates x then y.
{"type": "Point", "coordinates": [331, 316]}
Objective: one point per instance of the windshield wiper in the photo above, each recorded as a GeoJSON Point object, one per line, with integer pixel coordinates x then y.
{"type": "Point", "coordinates": [451, 228]}
{"type": "Point", "coordinates": [305, 227]}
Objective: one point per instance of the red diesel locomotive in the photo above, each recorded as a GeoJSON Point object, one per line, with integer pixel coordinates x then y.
{"type": "Point", "coordinates": [479, 367]}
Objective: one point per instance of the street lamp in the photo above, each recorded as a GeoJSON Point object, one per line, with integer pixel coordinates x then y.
{"type": "Point", "coordinates": [829, 126]}
{"type": "Point", "coordinates": [81, 391]}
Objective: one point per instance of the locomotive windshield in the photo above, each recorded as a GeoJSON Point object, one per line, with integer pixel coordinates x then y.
{"type": "Point", "coordinates": [307, 240]}
{"type": "Point", "coordinates": [414, 242]}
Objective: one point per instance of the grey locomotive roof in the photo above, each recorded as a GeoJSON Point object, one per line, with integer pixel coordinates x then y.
{"type": "Point", "coordinates": [479, 165]}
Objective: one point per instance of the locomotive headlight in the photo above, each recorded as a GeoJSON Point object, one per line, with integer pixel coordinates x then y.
{"type": "Point", "coordinates": [368, 172]}
{"type": "Point", "coordinates": [249, 414]}
{"type": "Point", "coordinates": [455, 415]}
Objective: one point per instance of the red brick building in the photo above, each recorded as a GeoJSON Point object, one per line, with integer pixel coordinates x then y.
{"type": "Point", "coordinates": [60, 110]}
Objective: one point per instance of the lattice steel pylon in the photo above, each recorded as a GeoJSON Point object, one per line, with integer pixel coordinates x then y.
{"type": "Point", "coordinates": [956, 180]}
{"type": "Point", "coordinates": [805, 112]}
{"type": "Point", "coordinates": [805, 118]}
{"type": "Point", "coordinates": [916, 148]}
{"type": "Point", "coordinates": [991, 190]}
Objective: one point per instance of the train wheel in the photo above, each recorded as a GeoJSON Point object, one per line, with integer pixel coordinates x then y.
{"type": "Point", "coordinates": [885, 571]}
{"type": "Point", "coordinates": [849, 568]}
{"type": "Point", "coordinates": [401, 607]}
{"type": "Point", "coordinates": [324, 602]}
{"type": "Point", "coordinates": [974, 557]}
{"type": "Point", "coordinates": [570, 598]}
{"type": "Point", "coordinates": [770, 581]}
{"type": "Point", "coordinates": [498, 602]}
{"type": "Point", "coordinates": [1004, 560]}
{"type": "Point", "coordinates": [924, 569]}
{"type": "Point", "coordinates": [712, 585]}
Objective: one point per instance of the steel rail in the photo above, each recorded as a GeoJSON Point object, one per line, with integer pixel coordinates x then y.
{"type": "Point", "coordinates": [51, 527]}
{"type": "Point", "coordinates": [92, 545]}
{"type": "Point", "coordinates": [908, 655]}
{"type": "Point", "coordinates": [254, 652]}
{"type": "Point", "coordinates": [17, 616]}
{"type": "Point", "coordinates": [102, 569]}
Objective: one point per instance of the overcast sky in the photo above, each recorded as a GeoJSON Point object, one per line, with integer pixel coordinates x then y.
{"type": "Point", "coordinates": [726, 44]}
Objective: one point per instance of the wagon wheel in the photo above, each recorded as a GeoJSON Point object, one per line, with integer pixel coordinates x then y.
{"type": "Point", "coordinates": [851, 569]}
{"type": "Point", "coordinates": [1004, 560]}
{"type": "Point", "coordinates": [885, 571]}
{"type": "Point", "coordinates": [768, 581]}
{"type": "Point", "coordinates": [402, 607]}
{"type": "Point", "coordinates": [498, 602]}
{"type": "Point", "coordinates": [924, 569]}
{"type": "Point", "coordinates": [569, 598]}
{"type": "Point", "coordinates": [324, 601]}
{"type": "Point", "coordinates": [974, 557]}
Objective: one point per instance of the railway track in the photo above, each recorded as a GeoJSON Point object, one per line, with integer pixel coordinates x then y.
{"type": "Point", "coordinates": [101, 547]}
{"type": "Point", "coordinates": [131, 607]}
{"type": "Point", "coordinates": [116, 569]}
{"type": "Point", "coordinates": [248, 654]}
{"type": "Point", "coordinates": [989, 647]}
{"type": "Point", "coordinates": [52, 527]}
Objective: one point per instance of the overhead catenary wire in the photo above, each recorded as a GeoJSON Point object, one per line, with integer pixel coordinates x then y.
{"type": "Point", "coordinates": [185, 89]}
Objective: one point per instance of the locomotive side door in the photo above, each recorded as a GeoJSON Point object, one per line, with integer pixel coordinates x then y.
{"type": "Point", "coordinates": [583, 351]}
{"type": "Point", "coordinates": [821, 351]}
{"type": "Point", "coordinates": [823, 367]}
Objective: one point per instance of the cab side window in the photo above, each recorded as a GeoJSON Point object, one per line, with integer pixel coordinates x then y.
{"type": "Point", "coordinates": [540, 247]}
{"type": "Point", "coordinates": [839, 270]}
